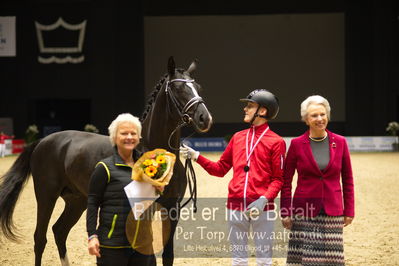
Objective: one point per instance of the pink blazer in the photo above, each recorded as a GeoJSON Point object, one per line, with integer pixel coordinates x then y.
{"type": "Point", "coordinates": [318, 189]}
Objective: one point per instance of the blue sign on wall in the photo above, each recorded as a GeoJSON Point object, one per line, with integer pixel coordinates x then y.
{"type": "Point", "coordinates": [206, 144]}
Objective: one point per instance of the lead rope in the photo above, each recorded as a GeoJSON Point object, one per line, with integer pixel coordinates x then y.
{"type": "Point", "coordinates": [192, 184]}
{"type": "Point", "coordinates": [182, 124]}
{"type": "Point", "coordinates": [188, 170]}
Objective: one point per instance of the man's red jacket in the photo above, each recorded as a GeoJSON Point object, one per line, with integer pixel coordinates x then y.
{"type": "Point", "coordinates": [265, 175]}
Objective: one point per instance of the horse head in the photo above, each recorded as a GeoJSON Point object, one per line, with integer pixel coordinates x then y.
{"type": "Point", "coordinates": [183, 97]}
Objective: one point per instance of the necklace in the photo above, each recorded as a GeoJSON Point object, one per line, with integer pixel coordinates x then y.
{"type": "Point", "coordinates": [318, 139]}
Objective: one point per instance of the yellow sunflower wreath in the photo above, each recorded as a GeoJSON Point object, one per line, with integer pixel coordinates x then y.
{"type": "Point", "coordinates": [154, 167]}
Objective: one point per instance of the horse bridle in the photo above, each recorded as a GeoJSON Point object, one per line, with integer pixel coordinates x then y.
{"type": "Point", "coordinates": [185, 120]}
{"type": "Point", "coordinates": [183, 112]}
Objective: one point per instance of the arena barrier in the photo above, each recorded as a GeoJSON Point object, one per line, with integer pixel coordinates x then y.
{"type": "Point", "coordinates": [356, 144]}
{"type": "Point", "coordinates": [13, 146]}
{"type": "Point", "coordinates": [17, 146]}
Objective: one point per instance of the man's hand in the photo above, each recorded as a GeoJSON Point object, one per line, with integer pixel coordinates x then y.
{"type": "Point", "coordinates": [189, 153]}
{"type": "Point", "coordinates": [255, 208]}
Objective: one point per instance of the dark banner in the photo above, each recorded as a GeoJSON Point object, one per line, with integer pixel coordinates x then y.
{"type": "Point", "coordinates": [72, 53]}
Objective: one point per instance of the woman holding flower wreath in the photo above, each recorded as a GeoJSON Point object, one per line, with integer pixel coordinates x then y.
{"type": "Point", "coordinates": [108, 240]}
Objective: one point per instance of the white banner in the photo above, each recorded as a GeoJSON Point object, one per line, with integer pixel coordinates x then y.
{"type": "Point", "coordinates": [7, 36]}
{"type": "Point", "coordinates": [8, 147]}
{"type": "Point", "coordinates": [371, 144]}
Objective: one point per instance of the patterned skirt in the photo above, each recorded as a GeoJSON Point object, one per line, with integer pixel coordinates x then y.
{"type": "Point", "coordinates": [316, 241]}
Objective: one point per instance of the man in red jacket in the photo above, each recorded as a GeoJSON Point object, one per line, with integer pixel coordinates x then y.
{"type": "Point", "coordinates": [257, 156]}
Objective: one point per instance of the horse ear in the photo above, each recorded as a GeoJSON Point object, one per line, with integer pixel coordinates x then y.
{"type": "Point", "coordinates": [171, 66]}
{"type": "Point", "coordinates": [191, 69]}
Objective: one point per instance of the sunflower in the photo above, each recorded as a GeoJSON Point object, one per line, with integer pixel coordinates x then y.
{"type": "Point", "coordinates": [161, 159]}
{"type": "Point", "coordinates": [147, 162]}
{"type": "Point", "coordinates": [154, 167]}
{"type": "Point", "coordinates": [150, 171]}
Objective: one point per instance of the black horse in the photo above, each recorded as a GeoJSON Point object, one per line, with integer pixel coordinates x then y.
{"type": "Point", "coordinates": [61, 164]}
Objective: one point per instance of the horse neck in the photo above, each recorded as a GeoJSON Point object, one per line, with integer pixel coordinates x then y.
{"type": "Point", "coordinates": [159, 124]}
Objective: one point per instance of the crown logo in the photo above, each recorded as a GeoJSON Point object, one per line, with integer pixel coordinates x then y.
{"type": "Point", "coordinates": [49, 43]}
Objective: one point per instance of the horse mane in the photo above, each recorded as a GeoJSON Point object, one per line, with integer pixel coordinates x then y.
{"type": "Point", "coordinates": [153, 95]}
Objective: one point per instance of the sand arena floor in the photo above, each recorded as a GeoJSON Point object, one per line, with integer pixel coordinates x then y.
{"type": "Point", "coordinates": [372, 239]}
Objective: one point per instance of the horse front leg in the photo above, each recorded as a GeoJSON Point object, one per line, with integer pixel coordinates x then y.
{"type": "Point", "coordinates": [168, 253]}
{"type": "Point", "coordinates": [173, 204]}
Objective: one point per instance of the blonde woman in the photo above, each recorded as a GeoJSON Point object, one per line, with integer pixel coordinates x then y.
{"type": "Point", "coordinates": [107, 240]}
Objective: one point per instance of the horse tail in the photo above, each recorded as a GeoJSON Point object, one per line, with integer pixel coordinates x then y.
{"type": "Point", "coordinates": [11, 186]}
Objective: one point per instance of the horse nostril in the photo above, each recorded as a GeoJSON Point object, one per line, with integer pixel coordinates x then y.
{"type": "Point", "coordinates": [201, 118]}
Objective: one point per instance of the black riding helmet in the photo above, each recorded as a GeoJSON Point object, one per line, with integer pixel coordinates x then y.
{"type": "Point", "coordinates": [266, 99]}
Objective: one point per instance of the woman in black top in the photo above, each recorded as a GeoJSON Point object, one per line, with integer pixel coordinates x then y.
{"type": "Point", "coordinates": [107, 239]}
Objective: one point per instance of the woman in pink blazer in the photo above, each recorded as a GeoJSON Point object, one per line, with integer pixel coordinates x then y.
{"type": "Point", "coordinates": [320, 206]}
